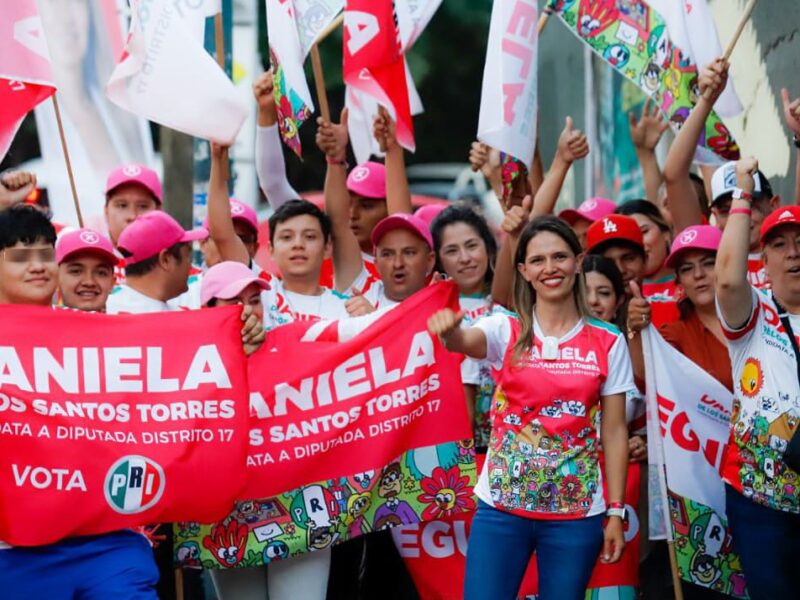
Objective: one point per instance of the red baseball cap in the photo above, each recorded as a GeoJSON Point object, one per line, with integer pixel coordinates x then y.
{"type": "Point", "coordinates": [241, 212]}
{"type": "Point", "coordinates": [590, 209]}
{"type": "Point", "coordinates": [153, 232]}
{"type": "Point", "coordinates": [226, 280]}
{"type": "Point", "coordinates": [785, 215]}
{"type": "Point", "coordinates": [135, 173]}
{"type": "Point", "coordinates": [368, 180]}
{"type": "Point", "coordinates": [697, 237]}
{"type": "Point", "coordinates": [84, 240]}
{"type": "Point", "coordinates": [612, 228]}
{"type": "Point", "coordinates": [402, 221]}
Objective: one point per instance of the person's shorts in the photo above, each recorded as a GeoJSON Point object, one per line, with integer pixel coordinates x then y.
{"type": "Point", "coordinates": [115, 565]}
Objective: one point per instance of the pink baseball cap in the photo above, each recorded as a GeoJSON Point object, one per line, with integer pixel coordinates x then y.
{"type": "Point", "coordinates": [591, 209]}
{"type": "Point", "coordinates": [135, 173]}
{"type": "Point", "coordinates": [241, 212]}
{"type": "Point", "coordinates": [84, 240]}
{"type": "Point", "coordinates": [696, 237]}
{"type": "Point", "coordinates": [429, 212]}
{"type": "Point", "coordinates": [153, 232]}
{"type": "Point", "coordinates": [226, 280]}
{"type": "Point", "coordinates": [402, 221]}
{"type": "Point", "coordinates": [368, 180]}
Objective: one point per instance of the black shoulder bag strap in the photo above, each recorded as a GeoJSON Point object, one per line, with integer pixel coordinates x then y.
{"type": "Point", "coordinates": [792, 454]}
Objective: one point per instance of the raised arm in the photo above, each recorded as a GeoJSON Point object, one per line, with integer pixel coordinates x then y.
{"type": "Point", "coordinates": [398, 195]}
{"type": "Point", "coordinates": [572, 146]}
{"type": "Point", "coordinates": [486, 159]}
{"type": "Point", "coordinates": [347, 262]}
{"type": "Point", "coordinates": [14, 187]}
{"type": "Point", "coordinates": [733, 289]}
{"type": "Point", "coordinates": [683, 202]}
{"type": "Point", "coordinates": [469, 342]}
{"type": "Point", "coordinates": [791, 113]}
{"type": "Point", "coordinates": [645, 135]}
{"type": "Point", "coordinates": [270, 166]}
{"type": "Point", "coordinates": [220, 223]}
{"type": "Point", "coordinates": [514, 222]}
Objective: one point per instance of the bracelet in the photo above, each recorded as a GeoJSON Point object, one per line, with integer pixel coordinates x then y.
{"type": "Point", "coordinates": [740, 211]}
{"type": "Point", "coordinates": [333, 161]}
{"type": "Point", "coordinates": [740, 194]}
{"type": "Point", "coordinates": [616, 505]}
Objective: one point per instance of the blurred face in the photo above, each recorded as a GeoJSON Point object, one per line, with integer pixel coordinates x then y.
{"type": "Point", "coordinates": [464, 258]}
{"type": "Point", "coordinates": [28, 274]}
{"type": "Point", "coordinates": [178, 269]}
{"type": "Point", "coordinates": [247, 235]}
{"type": "Point", "coordinates": [579, 227]}
{"type": "Point", "coordinates": [124, 204]}
{"type": "Point", "coordinates": [720, 210]}
{"type": "Point", "coordinates": [761, 210]}
{"type": "Point", "coordinates": [656, 244]}
{"type": "Point", "coordinates": [403, 260]}
{"type": "Point", "coordinates": [85, 280]}
{"type": "Point", "coordinates": [550, 267]}
{"type": "Point", "coordinates": [782, 260]}
{"type": "Point", "coordinates": [365, 213]}
{"type": "Point", "coordinates": [629, 262]}
{"type": "Point", "coordinates": [601, 297]}
{"type": "Point", "coordinates": [696, 276]}
{"type": "Point", "coordinates": [298, 247]}
{"type": "Point", "coordinates": [249, 296]}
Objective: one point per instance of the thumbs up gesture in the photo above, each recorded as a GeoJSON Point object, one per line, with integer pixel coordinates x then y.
{"type": "Point", "coordinates": [517, 217]}
{"type": "Point", "coordinates": [332, 138]}
{"type": "Point", "coordinates": [358, 305]}
{"type": "Point", "coordinates": [572, 143]}
{"type": "Point", "coordinates": [639, 311]}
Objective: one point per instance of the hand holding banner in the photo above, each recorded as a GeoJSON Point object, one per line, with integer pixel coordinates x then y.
{"type": "Point", "coordinates": [99, 431]}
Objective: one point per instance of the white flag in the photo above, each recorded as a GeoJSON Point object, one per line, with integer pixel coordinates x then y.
{"type": "Point", "coordinates": [166, 75]}
{"type": "Point", "coordinates": [311, 18]}
{"type": "Point", "coordinates": [507, 119]}
{"type": "Point", "coordinates": [694, 412]}
{"type": "Point", "coordinates": [692, 29]}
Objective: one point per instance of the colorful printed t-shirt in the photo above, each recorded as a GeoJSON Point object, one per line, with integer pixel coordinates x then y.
{"type": "Point", "coordinates": [757, 272]}
{"type": "Point", "coordinates": [326, 274]}
{"type": "Point", "coordinates": [282, 306]}
{"type": "Point", "coordinates": [766, 407]}
{"type": "Point", "coordinates": [662, 294]}
{"type": "Point", "coordinates": [542, 460]}
{"type": "Point", "coordinates": [478, 372]}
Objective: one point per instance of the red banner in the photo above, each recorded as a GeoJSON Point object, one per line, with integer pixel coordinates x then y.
{"type": "Point", "coordinates": [109, 422]}
{"type": "Point", "coordinates": [373, 63]}
{"type": "Point", "coordinates": [333, 409]}
{"type": "Point", "coordinates": [435, 552]}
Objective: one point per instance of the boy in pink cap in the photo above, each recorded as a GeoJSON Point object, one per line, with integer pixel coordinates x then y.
{"type": "Point", "coordinates": [587, 213]}
{"type": "Point", "coordinates": [157, 251]}
{"type": "Point", "coordinates": [86, 262]}
{"type": "Point", "coordinates": [131, 190]}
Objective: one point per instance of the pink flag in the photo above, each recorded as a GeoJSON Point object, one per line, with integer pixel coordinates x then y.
{"type": "Point", "coordinates": [25, 75]}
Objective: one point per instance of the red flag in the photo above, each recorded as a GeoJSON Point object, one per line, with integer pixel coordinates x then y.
{"type": "Point", "coordinates": [118, 421]}
{"type": "Point", "coordinates": [26, 78]}
{"type": "Point", "coordinates": [337, 408]}
{"type": "Point", "coordinates": [374, 63]}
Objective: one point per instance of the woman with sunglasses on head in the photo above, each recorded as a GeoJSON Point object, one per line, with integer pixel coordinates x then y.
{"type": "Point", "coordinates": [541, 489]}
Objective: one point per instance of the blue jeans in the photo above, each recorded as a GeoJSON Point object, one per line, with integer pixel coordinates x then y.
{"type": "Point", "coordinates": [117, 565]}
{"type": "Point", "coordinates": [501, 545]}
{"type": "Point", "coordinates": [768, 543]}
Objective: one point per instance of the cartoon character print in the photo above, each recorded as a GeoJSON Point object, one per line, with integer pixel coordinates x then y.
{"type": "Point", "coordinates": [617, 55]}
{"type": "Point", "coordinates": [319, 538]}
{"type": "Point", "coordinates": [356, 521]}
{"type": "Point", "coordinates": [188, 554]}
{"type": "Point", "coordinates": [274, 551]}
{"type": "Point", "coordinates": [227, 543]}
{"type": "Point", "coordinates": [362, 482]}
{"type": "Point", "coordinates": [659, 47]}
{"type": "Point", "coordinates": [446, 493]}
{"type": "Point", "coordinates": [561, 6]}
{"type": "Point", "coordinates": [595, 16]}
{"type": "Point", "coordinates": [389, 487]}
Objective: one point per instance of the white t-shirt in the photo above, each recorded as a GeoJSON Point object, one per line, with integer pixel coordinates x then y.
{"type": "Point", "coordinates": [282, 306]}
{"type": "Point", "coordinates": [373, 290]}
{"type": "Point", "coordinates": [126, 300]}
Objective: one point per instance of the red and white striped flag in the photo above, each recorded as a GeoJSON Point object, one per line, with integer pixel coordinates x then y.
{"type": "Point", "coordinates": [26, 78]}
{"type": "Point", "coordinates": [166, 75]}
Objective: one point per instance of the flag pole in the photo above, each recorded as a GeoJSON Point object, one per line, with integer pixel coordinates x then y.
{"type": "Point", "coordinates": [544, 17]}
{"type": "Point", "coordinates": [748, 11]}
{"type": "Point", "coordinates": [319, 81]}
{"type": "Point", "coordinates": [70, 174]}
{"type": "Point", "coordinates": [219, 49]}
{"type": "Point", "coordinates": [332, 26]}
{"type": "Point", "coordinates": [656, 448]}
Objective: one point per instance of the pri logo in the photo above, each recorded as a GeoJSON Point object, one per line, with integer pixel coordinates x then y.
{"type": "Point", "coordinates": [89, 237]}
{"type": "Point", "coordinates": [609, 226]}
{"type": "Point", "coordinates": [134, 484]}
{"type": "Point", "coordinates": [360, 173]}
{"type": "Point", "coordinates": [687, 237]}
{"type": "Point", "coordinates": [132, 170]}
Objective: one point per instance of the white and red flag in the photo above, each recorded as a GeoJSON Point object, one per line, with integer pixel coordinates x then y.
{"type": "Point", "coordinates": [374, 63]}
{"type": "Point", "coordinates": [166, 76]}
{"type": "Point", "coordinates": [26, 78]}
{"type": "Point", "coordinates": [507, 118]}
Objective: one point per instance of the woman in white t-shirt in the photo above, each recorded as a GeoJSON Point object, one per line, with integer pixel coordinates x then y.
{"type": "Point", "coordinates": [541, 489]}
{"type": "Point", "coordinates": [466, 251]}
